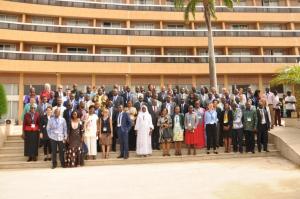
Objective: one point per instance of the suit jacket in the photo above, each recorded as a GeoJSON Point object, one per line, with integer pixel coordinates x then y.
{"type": "Point", "coordinates": [184, 109]}
{"type": "Point", "coordinates": [127, 98]}
{"type": "Point", "coordinates": [137, 105]}
{"type": "Point", "coordinates": [162, 96]}
{"type": "Point", "coordinates": [28, 121]}
{"type": "Point", "coordinates": [230, 119]}
{"type": "Point", "coordinates": [181, 120]}
{"type": "Point", "coordinates": [43, 126]}
{"type": "Point", "coordinates": [259, 119]}
{"type": "Point", "coordinates": [154, 114]}
{"type": "Point", "coordinates": [40, 108]}
{"type": "Point", "coordinates": [67, 115]}
{"type": "Point", "coordinates": [119, 101]}
{"type": "Point", "coordinates": [125, 122]}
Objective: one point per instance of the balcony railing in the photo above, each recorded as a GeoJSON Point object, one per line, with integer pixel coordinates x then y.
{"type": "Point", "coordinates": [146, 32]}
{"type": "Point", "coordinates": [41, 56]}
{"type": "Point", "coordinates": [151, 7]}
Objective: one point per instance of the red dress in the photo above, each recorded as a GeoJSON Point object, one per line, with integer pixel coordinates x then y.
{"type": "Point", "coordinates": [193, 137]}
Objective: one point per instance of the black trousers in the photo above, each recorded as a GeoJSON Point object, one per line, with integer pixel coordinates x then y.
{"type": "Point", "coordinates": [237, 139]}
{"type": "Point", "coordinates": [61, 150]}
{"type": "Point", "coordinates": [249, 139]}
{"type": "Point", "coordinates": [132, 139]}
{"type": "Point", "coordinates": [211, 136]}
{"type": "Point", "coordinates": [47, 146]}
{"type": "Point", "coordinates": [155, 138]}
{"type": "Point", "coordinates": [114, 140]}
{"type": "Point", "coordinates": [277, 117]}
{"type": "Point", "coordinates": [31, 143]}
{"type": "Point", "coordinates": [262, 137]}
{"type": "Point", "coordinates": [289, 113]}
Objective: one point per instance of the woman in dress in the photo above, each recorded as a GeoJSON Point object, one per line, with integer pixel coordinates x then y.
{"type": "Point", "coordinates": [165, 129]}
{"type": "Point", "coordinates": [131, 110]}
{"type": "Point", "coordinates": [90, 133]}
{"type": "Point", "coordinates": [178, 128]}
{"type": "Point", "coordinates": [106, 133]}
{"type": "Point", "coordinates": [190, 123]}
{"type": "Point", "coordinates": [199, 132]}
{"type": "Point", "coordinates": [74, 154]}
{"type": "Point", "coordinates": [31, 133]}
{"type": "Point", "coordinates": [46, 140]}
{"type": "Point", "coordinates": [144, 128]}
{"type": "Point", "coordinates": [226, 126]}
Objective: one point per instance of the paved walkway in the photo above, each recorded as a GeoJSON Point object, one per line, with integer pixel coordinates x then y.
{"type": "Point", "coordinates": [268, 178]}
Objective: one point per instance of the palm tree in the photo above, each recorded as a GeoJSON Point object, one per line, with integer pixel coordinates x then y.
{"type": "Point", "coordinates": [209, 13]}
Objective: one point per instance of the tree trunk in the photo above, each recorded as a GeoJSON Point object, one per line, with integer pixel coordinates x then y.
{"type": "Point", "coordinates": [211, 51]}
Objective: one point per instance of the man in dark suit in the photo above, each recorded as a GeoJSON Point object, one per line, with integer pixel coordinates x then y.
{"type": "Point", "coordinates": [67, 114]}
{"type": "Point", "coordinates": [116, 99]}
{"type": "Point", "coordinates": [123, 127]}
{"type": "Point", "coordinates": [58, 93]}
{"type": "Point", "coordinates": [162, 94]}
{"type": "Point", "coordinates": [140, 103]}
{"type": "Point", "coordinates": [154, 111]}
{"type": "Point", "coordinates": [127, 95]}
{"type": "Point", "coordinates": [184, 107]}
{"type": "Point", "coordinates": [263, 126]}
{"type": "Point", "coordinates": [169, 105]}
{"type": "Point", "coordinates": [41, 109]}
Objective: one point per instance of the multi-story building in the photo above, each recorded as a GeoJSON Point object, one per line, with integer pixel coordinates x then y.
{"type": "Point", "coordinates": [137, 42]}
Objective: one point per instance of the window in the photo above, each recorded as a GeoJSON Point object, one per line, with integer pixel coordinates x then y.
{"type": "Point", "coordinates": [11, 18]}
{"type": "Point", "coordinates": [147, 2]}
{"type": "Point", "coordinates": [42, 20]}
{"type": "Point", "coordinates": [274, 52]}
{"type": "Point", "coordinates": [239, 51]}
{"type": "Point", "coordinates": [273, 27]}
{"type": "Point", "coordinates": [12, 99]}
{"type": "Point", "coordinates": [205, 52]}
{"type": "Point", "coordinates": [77, 50]}
{"type": "Point", "coordinates": [113, 51]}
{"type": "Point", "coordinates": [176, 26]}
{"type": "Point", "coordinates": [177, 52]}
{"type": "Point", "coordinates": [47, 49]}
{"type": "Point", "coordinates": [144, 52]}
{"type": "Point", "coordinates": [107, 24]}
{"type": "Point", "coordinates": [170, 2]}
{"type": "Point", "coordinates": [111, 1]}
{"type": "Point", "coordinates": [270, 2]}
{"type": "Point", "coordinates": [7, 47]}
{"type": "Point", "coordinates": [239, 26]}
{"type": "Point", "coordinates": [213, 27]}
{"type": "Point", "coordinates": [144, 26]}
{"type": "Point", "coordinates": [75, 22]}
{"type": "Point", "coordinates": [240, 3]}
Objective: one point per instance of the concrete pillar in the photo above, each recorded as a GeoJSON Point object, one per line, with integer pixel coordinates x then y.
{"type": "Point", "coordinates": [94, 22]}
{"type": "Point", "coordinates": [226, 81]}
{"type": "Point", "coordinates": [60, 21]}
{"type": "Point", "coordinates": [162, 81]}
{"type": "Point", "coordinates": [296, 51]}
{"type": "Point", "coordinates": [226, 51]}
{"type": "Point", "coordinates": [193, 25]}
{"type": "Point", "coordinates": [21, 46]}
{"type": "Point", "coordinates": [128, 50]}
{"type": "Point", "coordinates": [292, 26]}
{"type": "Point", "coordinates": [93, 80]}
{"type": "Point", "coordinates": [161, 25]}
{"type": "Point", "coordinates": [223, 25]}
{"type": "Point", "coordinates": [23, 18]}
{"type": "Point", "coordinates": [21, 96]}
{"type": "Point", "coordinates": [128, 80]}
{"type": "Point", "coordinates": [94, 49]}
{"type": "Point", "coordinates": [195, 51]}
{"type": "Point", "coordinates": [162, 50]}
{"type": "Point", "coordinates": [254, 2]}
{"type": "Point", "coordinates": [287, 3]}
{"type": "Point", "coordinates": [194, 81]}
{"type": "Point", "coordinates": [58, 48]}
{"type": "Point", "coordinates": [261, 50]}
{"type": "Point", "coordinates": [260, 83]}
{"type": "Point", "coordinates": [127, 1]}
{"type": "Point", "coordinates": [257, 24]}
{"type": "Point", "coordinates": [127, 23]}
{"type": "Point", "coordinates": [58, 79]}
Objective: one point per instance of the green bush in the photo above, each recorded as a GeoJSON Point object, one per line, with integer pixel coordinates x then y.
{"type": "Point", "coordinates": [3, 101]}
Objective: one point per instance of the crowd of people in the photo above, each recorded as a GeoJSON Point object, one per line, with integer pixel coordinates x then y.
{"type": "Point", "coordinates": [79, 124]}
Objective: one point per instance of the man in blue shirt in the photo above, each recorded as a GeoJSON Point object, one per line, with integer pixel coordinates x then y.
{"type": "Point", "coordinates": [57, 132]}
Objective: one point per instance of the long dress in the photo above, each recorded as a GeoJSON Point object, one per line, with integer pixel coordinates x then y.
{"type": "Point", "coordinates": [199, 132]}
{"type": "Point", "coordinates": [90, 134]}
{"type": "Point", "coordinates": [166, 134]}
{"type": "Point", "coordinates": [143, 126]}
{"type": "Point", "coordinates": [74, 153]}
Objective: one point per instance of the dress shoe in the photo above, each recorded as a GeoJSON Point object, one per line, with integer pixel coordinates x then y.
{"type": "Point", "coordinates": [29, 159]}
{"type": "Point", "coordinates": [34, 159]}
{"type": "Point", "coordinates": [45, 159]}
{"type": "Point", "coordinates": [253, 152]}
{"type": "Point", "coordinates": [125, 157]}
{"type": "Point", "coordinates": [53, 166]}
{"type": "Point", "coordinates": [267, 150]}
{"type": "Point", "coordinates": [120, 156]}
{"type": "Point", "coordinates": [215, 152]}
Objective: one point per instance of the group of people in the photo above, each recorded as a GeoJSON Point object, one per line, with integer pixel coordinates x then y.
{"type": "Point", "coordinates": [79, 124]}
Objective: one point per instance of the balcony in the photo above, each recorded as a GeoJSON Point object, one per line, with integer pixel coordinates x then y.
{"type": "Point", "coordinates": [68, 57]}
{"type": "Point", "coordinates": [145, 32]}
{"type": "Point", "coordinates": [150, 7]}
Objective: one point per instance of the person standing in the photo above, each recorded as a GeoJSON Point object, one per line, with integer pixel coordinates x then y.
{"type": "Point", "coordinates": [164, 123]}
{"type": "Point", "coordinates": [226, 121]}
{"type": "Point", "coordinates": [144, 128]}
{"type": "Point", "coordinates": [263, 126]}
{"type": "Point", "coordinates": [178, 129]}
{"type": "Point", "coordinates": [74, 155]}
{"type": "Point", "coordinates": [190, 124]}
{"type": "Point", "coordinates": [90, 136]}
{"type": "Point", "coordinates": [199, 132]}
{"type": "Point", "coordinates": [290, 102]}
{"type": "Point", "coordinates": [270, 102]}
{"type": "Point", "coordinates": [250, 124]}
{"type": "Point", "coordinates": [45, 138]}
{"type": "Point", "coordinates": [277, 109]}
{"type": "Point", "coordinates": [131, 110]}
{"type": "Point", "coordinates": [154, 110]}
{"type": "Point", "coordinates": [237, 128]}
{"type": "Point", "coordinates": [57, 132]}
{"type": "Point", "coordinates": [123, 127]}
{"type": "Point", "coordinates": [211, 121]}
{"type": "Point", "coordinates": [106, 133]}
{"type": "Point", "coordinates": [31, 133]}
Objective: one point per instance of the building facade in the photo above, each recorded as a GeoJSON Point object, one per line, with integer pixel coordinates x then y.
{"type": "Point", "coordinates": [137, 42]}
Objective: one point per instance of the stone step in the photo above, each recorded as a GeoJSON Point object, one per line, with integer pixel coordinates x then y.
{"type": "Point", "coordinates": [139, 160]}
{"type": "Point", "coordinates": [13, 143]}
{"type": "Point", "coordinates": [14, 137]}
{"type": "Point", "coordinates": [20, 149]}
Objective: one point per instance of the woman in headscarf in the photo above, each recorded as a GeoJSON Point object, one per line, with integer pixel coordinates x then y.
{"type": "Point", "coordinates": [144, 129]}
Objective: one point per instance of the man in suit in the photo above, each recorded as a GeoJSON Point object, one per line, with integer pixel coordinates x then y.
{"type": "Point", "coordinates": [116, 99]}
{"type": "Point", "coordinates": [140, 103]}
{"type": "Point", "coordinates": [163, 94]}
{"type": "Point", "coordinates": [169, 105]}
{"type": "Point", "coordinates": [263, 126]}
{"type": "Point", "coordinates": [127, 95]}
{"type": "Point", "coordinates": [41, 109]}
{"type": "Point", "coordinates": [58, 93]}
{"type": "Point", "coordinates": [67, 114]}
{"type": "Point", "coordinates": [184, 107]}
{"type": "Point", "coordinates": [154, 110]}
{"type": "Point", "coordinates": [123, 127]}
{"type": "Point", "coordinates": [72, 100]}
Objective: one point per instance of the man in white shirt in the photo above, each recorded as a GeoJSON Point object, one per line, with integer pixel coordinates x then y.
{"type": "Point", "coordinates": [277, 109]}
{"type": "Point", "coordinates": [290, 102]}
{"type": "Point", "coordinates": [270, 101]}
{"type": "Point", "coordinates": [59, 106]}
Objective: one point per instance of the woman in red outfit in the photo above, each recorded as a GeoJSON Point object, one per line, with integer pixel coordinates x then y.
{"type": "Point", "coordinates": [46, 92]}
{"type": "Point", "coordinates": [199, 131]}
{"type": "Point", "coordinates": [31, 134]}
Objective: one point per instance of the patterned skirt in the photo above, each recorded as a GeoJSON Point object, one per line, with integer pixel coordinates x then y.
{"type": "Point", "coordinates": [74, 157]}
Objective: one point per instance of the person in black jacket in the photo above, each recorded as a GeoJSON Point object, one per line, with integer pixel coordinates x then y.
{"type": "Point", "coordinates": [67, 113]}
{"type": "Point", "coordinates": [263, 126]}
{"type": "Point", "coordinates": [45, 139]}
{"type": "Point", "coordinates": [226, 121]}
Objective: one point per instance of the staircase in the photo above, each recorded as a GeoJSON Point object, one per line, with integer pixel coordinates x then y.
{"type": "Point", "coordinates": [12, 156]}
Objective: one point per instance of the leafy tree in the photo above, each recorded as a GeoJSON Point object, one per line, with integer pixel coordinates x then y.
{"type": "Point", "coordinates": [3, 101]}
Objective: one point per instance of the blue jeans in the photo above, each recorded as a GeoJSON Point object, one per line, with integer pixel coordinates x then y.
{"type": "Point", "coordinates": [123, 139]}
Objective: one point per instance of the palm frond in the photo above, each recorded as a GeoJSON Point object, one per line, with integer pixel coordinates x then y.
{"type": "Point", "coordinates": [212, 8]}
{"type": "Point", "coordinates": [229, 3]}
{"type": "Point", "coordinates": [288, 75]}
{"type": "Point", "coordinates": [190, 8]}
{"type": "Point", "coordinates": [179, 4]}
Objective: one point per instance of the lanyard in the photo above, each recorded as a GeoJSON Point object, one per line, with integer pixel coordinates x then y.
{"type": "Point", "coordinates": [32, 118]}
